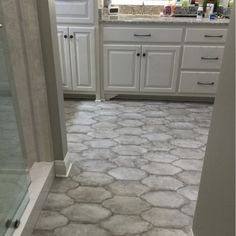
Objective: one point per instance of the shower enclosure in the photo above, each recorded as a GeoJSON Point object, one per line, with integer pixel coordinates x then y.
{"type": "Point", "coordinates": [14, 178]}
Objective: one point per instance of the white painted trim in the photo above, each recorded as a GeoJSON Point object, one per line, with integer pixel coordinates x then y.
{"type": "Point", "coordinates": [42, 176]}
{"type": "Point", "coordinates": [63, 167]}
{"type": "Point", "coordinates": [191, 232]}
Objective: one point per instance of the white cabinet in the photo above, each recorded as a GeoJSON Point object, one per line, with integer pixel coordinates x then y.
{"type": "Point", "coordinates": [198, 82]}
{"type": "Point", "coordinates": [140, 68]}
{"type": "Point", "coordinates": [121, 67]}
{"type": "Point", "coordinates": [75, 11]}
{"type": "Point", "coordinates": [202, 59]}
{"type": "Point", "coordinates": [64, 53]}
{"type": "Point", "coordinates": [159, 69]}
{"type": "Point", "coordinates": [133, 63]}
{"type": "Point", "coordinates": [82, 50]}
{"type": "Point", "coordinates": [205, 35]}
{"type": "Point", "coordinates": [77, 57]}
{"type": "Point", "coordinates": [76, 36]}
{"type": "Point", "coordinates": [160, 60]}
{"type": "Point", "coordinates": [142, 34]}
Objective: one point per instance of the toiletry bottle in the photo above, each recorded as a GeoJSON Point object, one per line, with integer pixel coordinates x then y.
{"type": "Point", "coordinates": [178, 3]}
{"type": "Point", "coordinates": [200, 12]}
{"type": "Point", "coordinates": [209, 10]}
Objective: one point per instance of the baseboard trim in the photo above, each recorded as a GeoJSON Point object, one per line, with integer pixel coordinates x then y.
{"type": "Point", "coordinates": [63, 167]}
{"type": "Point", "coordinates": [42, 175]}
{"type": "Point", "coordinates": [191, 232]}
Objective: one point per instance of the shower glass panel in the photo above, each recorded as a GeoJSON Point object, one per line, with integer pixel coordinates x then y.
{"type": "Point", "coordinates": [14, 180]}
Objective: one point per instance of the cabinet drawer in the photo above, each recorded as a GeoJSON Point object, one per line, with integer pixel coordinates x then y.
{"type": "Point", "coordinates": [130, 34]}
{"type": "Point", "coordinates": [198, 82]}
{"type": "Point", "coordinates": [202, 57]}
{"type": "Point", "coordinates": [205, 35]}
{"type": "Point", "coordinates": [74, 11]}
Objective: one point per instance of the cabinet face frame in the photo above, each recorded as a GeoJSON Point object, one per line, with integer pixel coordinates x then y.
{"type": "Point", "coordinates": [112, 53]}
{"type": "Point", "coordinates": [64, 52]}
{"type": "Point", "coordinates": [82, 51]}
{"type": "Point", "coordinates": [169, 67]}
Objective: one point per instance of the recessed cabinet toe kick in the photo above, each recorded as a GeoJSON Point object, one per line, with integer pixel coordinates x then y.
{"type": "Point", "coordinates": [161, 59]}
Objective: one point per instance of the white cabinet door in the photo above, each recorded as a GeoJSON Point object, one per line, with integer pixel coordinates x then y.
{"type": "Point", "coordinates": [159, 69]}
{"type": "Point", "coordinates": [121, 67]}
{"type": "Point", "coordinates": [82, 49]}
{"type": "Point", "coordinates": [64, 52]}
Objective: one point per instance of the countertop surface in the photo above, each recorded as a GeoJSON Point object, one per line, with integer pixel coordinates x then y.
{"type": "Point", "coordinates": [160, 20]}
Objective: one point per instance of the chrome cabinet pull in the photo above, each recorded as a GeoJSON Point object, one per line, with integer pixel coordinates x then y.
{"type": "Point", "coordinates": [213, 36]}
{"type": "Point", "coordinates": [206, 83]}
{"type": "Point", "coordinates": [1, 25]}
{"type": "Point", "coordinates": [210, 58]}
{"type": "Point", "coordinates": [142, 35]}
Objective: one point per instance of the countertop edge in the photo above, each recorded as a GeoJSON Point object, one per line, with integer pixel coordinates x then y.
{"type": "Point", "coordinates": [163, 20]}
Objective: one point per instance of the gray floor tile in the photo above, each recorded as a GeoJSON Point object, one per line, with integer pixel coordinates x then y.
{"type": "Point", "coordinates": [136, 169]}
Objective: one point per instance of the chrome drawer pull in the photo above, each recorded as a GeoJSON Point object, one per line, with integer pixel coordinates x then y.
{"type": "Point", "coordinates": [1, 25]}
{"type": "Point", "coordinates": [213, 36]}
{"type": "Point", "coordinates": [210, 58]}
{"type": "Point", "coordinates": [142, 35]}
{"type": "Point", "coordinates": [205, 83]}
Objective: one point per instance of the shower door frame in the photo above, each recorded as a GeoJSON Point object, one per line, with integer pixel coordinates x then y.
{"type": "Point", "coordinates": [10, 89]}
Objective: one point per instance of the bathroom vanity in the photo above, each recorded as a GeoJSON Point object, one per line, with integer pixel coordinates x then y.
{"type": "Point", "coordinates": [138, 55]}
{"type": "Point", "coordinates": [162, 56]}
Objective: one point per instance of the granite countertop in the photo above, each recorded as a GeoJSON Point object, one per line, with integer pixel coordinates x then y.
{"type": "Point", "coordinates": [160, 20]}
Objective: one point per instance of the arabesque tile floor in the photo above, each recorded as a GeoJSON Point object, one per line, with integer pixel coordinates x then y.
{"type": "Point", "coordinates": [137, 167]}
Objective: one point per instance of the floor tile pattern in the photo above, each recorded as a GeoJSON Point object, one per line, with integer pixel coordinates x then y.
{"type": "Point", "coordinates": [136, 169]}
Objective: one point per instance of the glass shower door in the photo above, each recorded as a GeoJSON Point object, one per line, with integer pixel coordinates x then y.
{"type": "Point", "coordinates": [14, 180]}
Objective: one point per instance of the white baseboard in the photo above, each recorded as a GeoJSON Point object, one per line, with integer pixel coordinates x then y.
{"type": "Point", "coordinates": [63, 167]}
{"type": "Point", "coordinates": [99, 100]}
{"type": "Point", "coordinates": [42, 175]}
{"type": "Point", "coordinates": [191, 232]}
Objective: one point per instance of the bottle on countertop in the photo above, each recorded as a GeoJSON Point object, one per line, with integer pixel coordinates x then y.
{"type": "Point", "coordinates": [200, 12]}
{"type": "Point", "coordinates": [178, 3]}
{"type": "Point", "coordinates": [209, 10]}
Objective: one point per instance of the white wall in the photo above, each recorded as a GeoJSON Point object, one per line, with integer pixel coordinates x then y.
{"type": "Point", "coordinates": [4, 84]}
{"type": "Point", "coordinates": [216, 203]}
